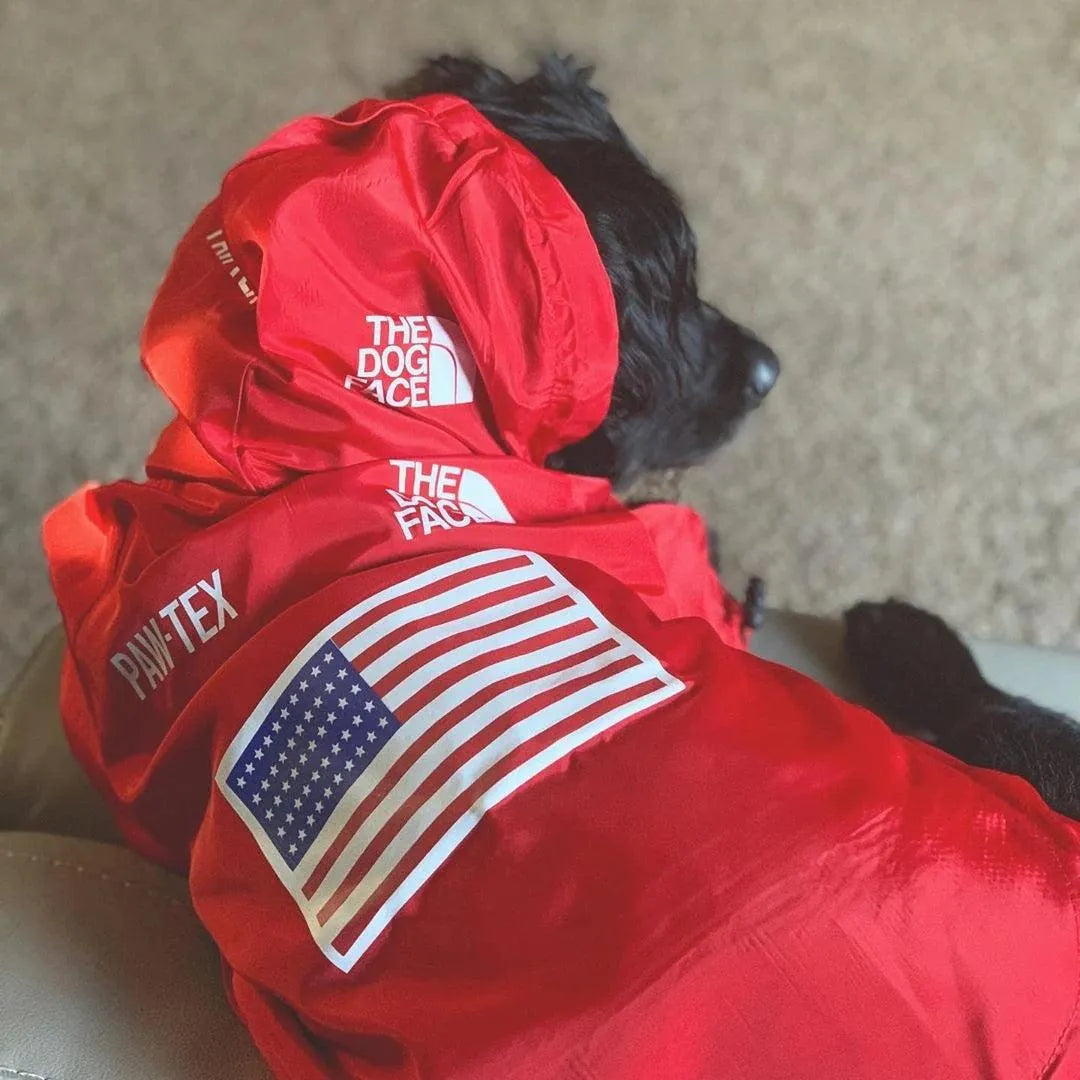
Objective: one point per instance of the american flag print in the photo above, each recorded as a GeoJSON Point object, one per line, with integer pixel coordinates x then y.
{"type": "Point", "coordinates": [395, 729]}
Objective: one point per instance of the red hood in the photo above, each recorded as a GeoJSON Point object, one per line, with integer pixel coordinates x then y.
{"type": "Point", "coordinates": [331, 225]}
{"type": "Point", "coordinates": [399, 283]}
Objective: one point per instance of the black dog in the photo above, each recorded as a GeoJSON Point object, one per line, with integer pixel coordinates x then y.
{"type": "Point", "coordinates": [687, 374]}
{"type": "Point", "coordinates": [921, 677]}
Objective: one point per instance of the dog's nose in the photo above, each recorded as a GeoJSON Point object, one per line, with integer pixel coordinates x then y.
{"type": "Point", "coordinates": [762, 369]}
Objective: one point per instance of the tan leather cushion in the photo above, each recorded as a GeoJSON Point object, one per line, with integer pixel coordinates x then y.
{"type": "Point", "coordinates": [105, 974]}
{"type": "Point", "coordinates": [42, 788]}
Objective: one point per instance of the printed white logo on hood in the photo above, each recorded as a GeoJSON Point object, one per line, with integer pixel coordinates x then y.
{"type": "Point", "coordinates": [414, 361]}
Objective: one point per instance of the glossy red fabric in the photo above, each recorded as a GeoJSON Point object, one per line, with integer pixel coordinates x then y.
{"type": "Point", "coordinates": [373, 338]}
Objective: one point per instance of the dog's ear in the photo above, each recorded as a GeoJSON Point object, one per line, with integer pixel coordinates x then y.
{"type": "Point", "coordinates": [462, 75]}
{"type": "Point", "coordinates": [556, 103]}
{"type": "Point", "coordinates": [564, 86]}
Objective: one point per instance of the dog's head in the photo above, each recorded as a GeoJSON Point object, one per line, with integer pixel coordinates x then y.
{"type": "Point", "coordinates": [687, 373]}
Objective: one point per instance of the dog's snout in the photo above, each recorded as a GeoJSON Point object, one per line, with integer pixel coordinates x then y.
{"type": "Point", "coordinates": [762, 369]}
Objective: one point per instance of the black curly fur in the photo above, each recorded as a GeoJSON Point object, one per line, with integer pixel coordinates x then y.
{"type": "Point", "coordinates": [687, 374]}
{"type": "Point", "coordinates": [923, 679]}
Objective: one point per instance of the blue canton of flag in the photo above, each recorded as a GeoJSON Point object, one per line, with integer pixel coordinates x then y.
{"type": "Point", "coordinates": [321, 733]}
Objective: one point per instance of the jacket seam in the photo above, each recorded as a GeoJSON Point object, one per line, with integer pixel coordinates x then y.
{"type": "Point", "coordinates": [558, 391]}
{"type": "Point", "coordinates": [562, 384]}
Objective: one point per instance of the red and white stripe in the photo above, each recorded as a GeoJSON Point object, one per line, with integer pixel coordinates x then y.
{"type": "Point", "coordinates": [496, 667]}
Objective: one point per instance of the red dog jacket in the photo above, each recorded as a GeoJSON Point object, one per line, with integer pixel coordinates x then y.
{"type": "Point", "coordinates": [469, 771]}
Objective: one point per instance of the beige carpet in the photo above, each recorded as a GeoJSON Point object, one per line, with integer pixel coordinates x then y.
{"type": "Point", "coordinates": [889, 193]}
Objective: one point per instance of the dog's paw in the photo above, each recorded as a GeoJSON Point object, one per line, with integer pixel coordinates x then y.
{"type": "Point", "coordinates": [913, 667]}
